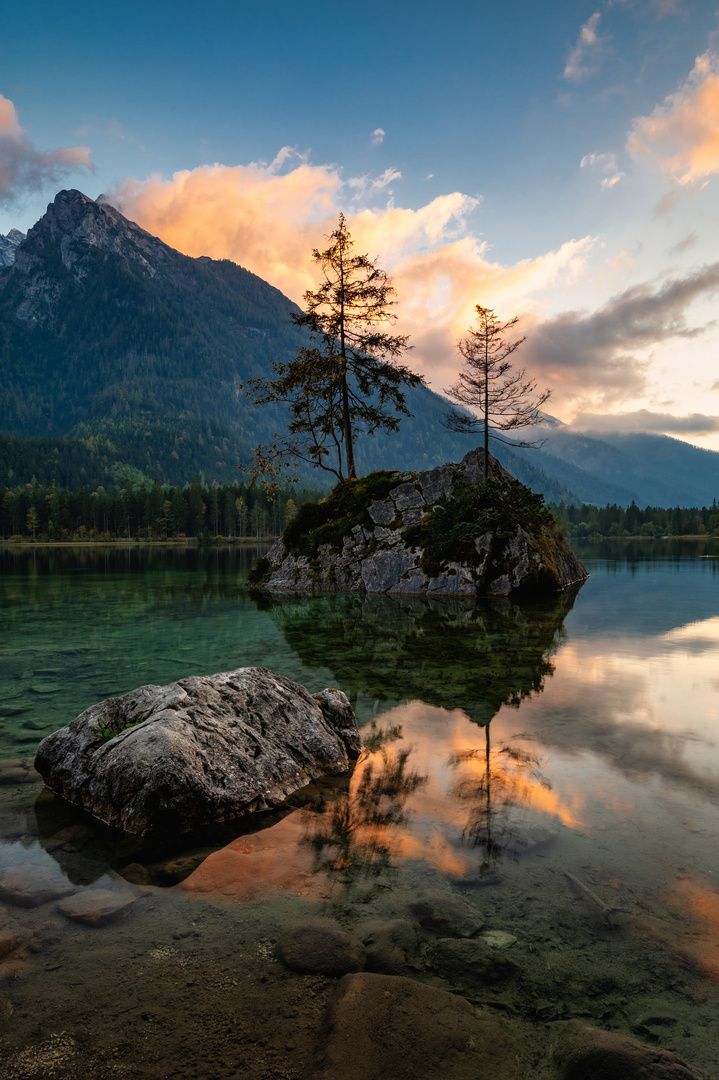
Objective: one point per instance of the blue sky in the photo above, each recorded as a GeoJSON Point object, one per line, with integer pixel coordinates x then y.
{"type": "Point", "coordinates": [555, 161]}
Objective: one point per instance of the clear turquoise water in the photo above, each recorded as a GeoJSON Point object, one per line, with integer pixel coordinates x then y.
{"type": "Point", "coordinates": [570, 741]}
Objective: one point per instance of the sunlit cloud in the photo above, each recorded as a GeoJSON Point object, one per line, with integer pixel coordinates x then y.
{"type": "Point", "coordinates": [580, 62]}
{"type": "Point", "coordinates": [24, 169]}
{"type": "Point", "coordinates": [646, 420]}
{"type": "Point", "coordinates": [682, 134]}
{"type": "Point", "coordinates": [378, 136]}
{"type": "Point", "coordinates": [268, 218]}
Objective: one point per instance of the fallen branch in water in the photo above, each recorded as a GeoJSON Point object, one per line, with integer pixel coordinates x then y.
{"type": "Point", "coordinates": [607, 910]}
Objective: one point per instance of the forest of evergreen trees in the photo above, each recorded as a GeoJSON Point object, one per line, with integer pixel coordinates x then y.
{"type": "Point", "coordinates": [613, 520]}
{"type": "Point", "coordinates": [138, 511]}
{"type": "Point", "coordinates": [233, 511]}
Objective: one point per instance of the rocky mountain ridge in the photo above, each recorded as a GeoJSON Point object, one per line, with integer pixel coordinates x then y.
{"type": "Point", "coordinates": [8, 246]}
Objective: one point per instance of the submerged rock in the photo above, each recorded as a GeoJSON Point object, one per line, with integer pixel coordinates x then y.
{"type": "Point", "coordinates": [198, 751]}
{"type": "Point", "coordinates": [321, 947]}
{"type": "Point", "coordinates": [96, 907]}
{"type": "Point", "coordinates": [382, 1027]}
{"type": "Point", "coordinates": [587, 1053]}
{"type": "Point", "coordinates": [440, 532]}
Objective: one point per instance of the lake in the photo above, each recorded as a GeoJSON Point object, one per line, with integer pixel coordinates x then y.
{"type": "Point", "coordinates": [540, 778]}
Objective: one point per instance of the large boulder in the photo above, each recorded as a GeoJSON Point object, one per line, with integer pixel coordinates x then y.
{"type": "Point", "coordinates": [198, 751]}
{"type": "Point", "coordinates": [444, 531]}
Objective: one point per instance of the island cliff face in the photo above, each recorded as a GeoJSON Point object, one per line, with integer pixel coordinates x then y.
{"type": "Point", "coordinates": [443, 531]}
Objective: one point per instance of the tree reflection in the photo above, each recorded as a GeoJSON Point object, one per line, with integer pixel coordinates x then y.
{"type": "Point", "coordinates": [353, 833]}
{"type": "Point", "coordinates": [493, 781]}
{"type": "Point", "coordinates": [449, 652]}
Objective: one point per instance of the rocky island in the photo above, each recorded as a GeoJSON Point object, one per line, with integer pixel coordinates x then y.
{"type": "Point", "coordinates": [443, 531]}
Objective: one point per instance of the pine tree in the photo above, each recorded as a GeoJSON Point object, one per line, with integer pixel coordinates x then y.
{"type": "Point", "coordinates": [348, 379]}
{"type": "Point", "coordinates": [506, 399]}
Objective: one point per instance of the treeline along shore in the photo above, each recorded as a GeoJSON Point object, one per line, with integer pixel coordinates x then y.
{"type": "Point", "coordinates": [613, 520]}
{"type": "Point", "coordinates": [159, 512]}
{"type": "Point", "coordinates": [149, 512]}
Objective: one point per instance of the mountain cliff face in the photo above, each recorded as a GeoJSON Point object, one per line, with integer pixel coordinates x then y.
{"type": "Point", "coordinates": [76, 229]}
{"type": "Point", "coordinates": [8, 245]}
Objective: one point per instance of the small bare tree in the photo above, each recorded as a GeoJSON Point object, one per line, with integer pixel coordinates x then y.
{"type": "Point", "coordinates": [507, 399]}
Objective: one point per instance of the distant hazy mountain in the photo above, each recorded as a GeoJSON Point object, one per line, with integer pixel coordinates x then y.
{"type": "Point", "coordinates": [8, 244]}
{"type": "Point", "coordinates": [120, 353]}
{"type": "Point", "coordinates": [652, 470]}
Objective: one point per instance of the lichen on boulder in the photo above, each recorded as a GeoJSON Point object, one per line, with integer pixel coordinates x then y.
{"type": "Point", "coordinates": [445, 531]}
{"type": "Point", "coordinates": [199, 751]}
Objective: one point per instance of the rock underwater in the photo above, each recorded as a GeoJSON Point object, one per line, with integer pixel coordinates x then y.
{"type": "Point", "coordinates": [443, 531]}
{"type": "Point", "coordinates": [198, 751]}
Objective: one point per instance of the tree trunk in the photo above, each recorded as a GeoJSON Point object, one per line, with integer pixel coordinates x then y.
{"type": "Point", "coordinates": [346, 420]}
{"type": "Point", "coordinates": [486, 409]}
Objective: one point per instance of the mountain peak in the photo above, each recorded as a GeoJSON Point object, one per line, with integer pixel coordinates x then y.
{"type": "Point", "coordinates": [74, 219]}
{"type": "Point", "coordinates": [63, 247]}
{"type": "Point", "coordinates": [8, 246]}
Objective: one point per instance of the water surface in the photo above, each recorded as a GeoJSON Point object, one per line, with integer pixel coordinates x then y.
{"type": "Point", "coordinates": [550, 768]}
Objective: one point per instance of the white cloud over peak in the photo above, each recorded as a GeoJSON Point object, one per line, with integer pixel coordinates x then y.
{"type": "Point", "coordinates": [22, 167]}
{"type": "Point", "coordinates": [648, 421]}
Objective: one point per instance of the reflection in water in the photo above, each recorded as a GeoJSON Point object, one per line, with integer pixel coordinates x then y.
{"type": "Point", "coordinates": [446, 652]}
{"type": "Point", "coordinates": [353, 833]}
{"type": "Point", "coordinates": [492, 782]}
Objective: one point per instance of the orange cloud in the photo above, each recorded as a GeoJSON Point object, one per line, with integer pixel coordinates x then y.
{"type": "Point", "coordinates": [269, 217]}
{"type": "Point", "coordinates": [22, 168]}
{"type": "Point", "coordinates": [682, 134]}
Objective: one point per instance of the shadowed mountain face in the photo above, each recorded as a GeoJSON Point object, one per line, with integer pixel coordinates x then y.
{"type": "Point", "coordinates": [613, 467]}
{"type": "Point", "coordinates": [449, 653]}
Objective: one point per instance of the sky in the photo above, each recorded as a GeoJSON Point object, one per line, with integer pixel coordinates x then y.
{"type": "Point", "coordinates": [556, 161]}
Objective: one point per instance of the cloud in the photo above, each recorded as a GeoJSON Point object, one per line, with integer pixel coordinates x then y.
{"type": "Point", "coordinates": [588, 45]}
{"type": "Point", "coordinates": [378, 136]}
{"type": "Point", "coordinates": [645, 420]}
{"type": "Point", "coordinates": [22, 168]}
{"type": "Point", "coordinates": [681, 136]}
{"type": "Point", "coordinates": [689, 241]}
{"type": "Point", "coordinates": [606, 163]}
{"type": "Point", "coordinates": [268, 218]}
{"type": "Point", "coordinates": [365, 184]}
{"type": "Point", "coordinates": [597, 357]}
